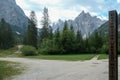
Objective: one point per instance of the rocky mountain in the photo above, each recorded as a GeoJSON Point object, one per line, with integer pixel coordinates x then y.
{"type": "Point", "coordinates": [13, 15]}
{"type": "Point", "coordinates": [83, 22]}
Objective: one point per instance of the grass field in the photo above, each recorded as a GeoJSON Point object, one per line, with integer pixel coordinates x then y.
{"type": "Point", "coordinates": [64, 57]}
{"type": "Point", "coordinates": [8, 69]}
{"type": "Point", "coordinates": [70, 57]}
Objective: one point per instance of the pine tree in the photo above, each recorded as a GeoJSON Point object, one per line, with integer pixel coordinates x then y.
{"type": "Point", "coordinates": [31, 35]}
{"type": "Point", "coordinates": [97, 41]}
{"type": "Point", "coordinates": [65, 26]}
{"type": "Point", "coordinates": [57, 37]}
{"type": "Point", "coordinates": [45, 25]}
{"type": "Point", "coordinates": [71, 28]}
{"type": "Point", "coordinates": [67, 39]}
{"type": "Point", "coordinates": [79, 42]}
{"type": "Point", "coordinates": [6, 35]}
{"type": "Point", "coordinates": [50, 32]}
{"type": "Point", "coordinates": [2, 29]}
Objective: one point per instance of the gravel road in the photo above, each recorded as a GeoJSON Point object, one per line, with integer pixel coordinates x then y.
{"type": "Point", "coordinates": [62, 70]}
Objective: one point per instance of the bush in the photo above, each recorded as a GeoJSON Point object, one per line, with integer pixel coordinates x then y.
{"type": "Point", "coordinates": [105, 49]}
{"type": "Point", "coordinates": [50, 51]}
{"type": "Point", "coordinates": [28, 50]}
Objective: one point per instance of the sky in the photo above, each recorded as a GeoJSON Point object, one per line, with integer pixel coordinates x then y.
{"type": "Point", "coordinates": [69, 9]}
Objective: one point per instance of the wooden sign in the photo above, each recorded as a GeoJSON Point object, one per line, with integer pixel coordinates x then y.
{"type": "Point", "coordinates": [113, 45]}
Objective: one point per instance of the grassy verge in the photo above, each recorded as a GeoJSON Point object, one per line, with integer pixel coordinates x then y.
{"type": "Point", "coordinates": [8, 69]}
{"type": "Point", "coordinates": [103, 56]}
{"type": "Point", "coordinates": [5, 53]}
{"type": "Point", "coordinates": [64, 57]}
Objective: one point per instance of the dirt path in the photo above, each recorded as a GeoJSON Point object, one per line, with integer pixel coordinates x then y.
{"type": "Point", "coordinates": [62, 70]}
{"type": "Point", "coordinates": [19, 47]}
{"type": "Point", "coordinates": [95, 58]}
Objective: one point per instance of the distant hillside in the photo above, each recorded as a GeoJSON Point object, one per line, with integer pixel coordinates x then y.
{"type": "Point", "coordinates": [104, 27]}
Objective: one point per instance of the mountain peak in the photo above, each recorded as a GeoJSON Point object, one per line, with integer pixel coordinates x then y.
{"type": "Point", "coordinates": [83, 22]}
{"type": "Point", "coordinates": [83, 12]}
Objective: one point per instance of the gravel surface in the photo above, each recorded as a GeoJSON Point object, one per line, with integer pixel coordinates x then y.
{"type": "Point", "coordinates": [62, 70]}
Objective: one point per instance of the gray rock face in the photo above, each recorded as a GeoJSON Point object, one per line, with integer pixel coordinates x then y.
{"type": "Point", "coordinates": [83, 22]}
{"type": "Point", "coordinates": [13, 14]}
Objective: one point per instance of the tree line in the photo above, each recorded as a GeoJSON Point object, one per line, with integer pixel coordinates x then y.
{"type": "Point", "coordinates": [6, 35]}
{"type": "Point", "coordinates": [46, 41]}
{"type": "Point", "coordinates": [64, 41]}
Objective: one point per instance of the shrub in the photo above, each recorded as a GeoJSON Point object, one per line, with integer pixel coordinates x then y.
{"type": "Point", "coordinates": [50, 51]}
{"type": "Point", "coordinates": [28, 50]}
{"type": "Point", "coordinates": [105, 49]}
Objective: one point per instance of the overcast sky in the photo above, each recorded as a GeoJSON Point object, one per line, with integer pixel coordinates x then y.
{"type": "Point", "coordinates": [69, 9]}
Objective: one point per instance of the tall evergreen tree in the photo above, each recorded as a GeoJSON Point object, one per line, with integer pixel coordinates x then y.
{"type": "Point", "coordinates": [45, 25]}
{"type": "Point", "coordinates": [65, 26]}
{"type": "Point", "coordinates": [31, 35]}
{"type": "Point", "coordinates": [71, 28]}
{"type": "Point", "coordinates": [50, 32]}
{"type": "Point", "coordinates": [57, 37]}
{"type": "Point", "coordinates": [67, 39]}
{"type": "Point", "coordinates": [87, 45]}
{"type": "Point", "coordinates": [97, 41]}
{"type": "Point", "coordinates": [6, 35]}
{"type": "Point", "coordinates": [79, 42]}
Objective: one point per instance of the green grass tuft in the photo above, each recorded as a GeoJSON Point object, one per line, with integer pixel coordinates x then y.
{"type": "Point", "coordinates": [8, 69]}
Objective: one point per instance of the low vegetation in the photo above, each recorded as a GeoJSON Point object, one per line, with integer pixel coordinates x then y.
{"type": "Point", "coordinates": [103, 56]}
{"type": "Point", "coordinates": [8, 69]}
{"type": "Point", "coordinates": [64, 57]}
{"type": "Point", "coordinates": [28, 50]}
{"type": "Point", "coordinates": [7, 52]}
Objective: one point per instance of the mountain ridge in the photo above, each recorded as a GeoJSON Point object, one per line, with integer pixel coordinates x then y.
{"type": "Point", "coordinates": [83, 22]}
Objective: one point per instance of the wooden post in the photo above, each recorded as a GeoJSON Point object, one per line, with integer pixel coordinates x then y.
{"type": "Point", "coordinates": [113, 45]}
